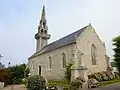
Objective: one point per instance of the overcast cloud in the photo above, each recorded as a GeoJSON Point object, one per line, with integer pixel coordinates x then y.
{"type": "Point", "coordinates": [19, 20]}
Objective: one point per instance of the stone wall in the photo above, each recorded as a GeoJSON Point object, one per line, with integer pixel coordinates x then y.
{"type": "Point", "coordinates": [57, 72]}
{"type": "Point", "coordinates": [84, 42]}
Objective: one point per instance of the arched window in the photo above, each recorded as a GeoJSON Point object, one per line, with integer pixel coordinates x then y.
{"type": "Point", "coordinates": [93, 54]}
{"type": "Point", "coordinates": [50, 63]}
{"type": "Point", "coordinates": [63, 60]}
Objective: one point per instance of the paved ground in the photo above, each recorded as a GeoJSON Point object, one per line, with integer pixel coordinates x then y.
{"type": "Point", "coordinates": [110, 87]}
{"type": "Point", "coordinates": [15, 87]}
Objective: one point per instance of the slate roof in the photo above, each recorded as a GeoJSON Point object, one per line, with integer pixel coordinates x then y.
{"type": "Point", "coordinates": [69, 39]}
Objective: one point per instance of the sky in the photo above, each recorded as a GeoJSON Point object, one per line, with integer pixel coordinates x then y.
{"type": "Point", "coordinates": [19, 20]}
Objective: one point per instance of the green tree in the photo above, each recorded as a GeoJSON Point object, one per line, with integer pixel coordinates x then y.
{"type": "Point", "coordinates": [26, 72]}
{"type": "Point", "coordinates": [16, 73]}
{"type": "Point", "coordinates": [68, 73]}
{"type": "Point", "coordinates": [116, 43]}
{"type": "Point", "coordinates": [4, 76]}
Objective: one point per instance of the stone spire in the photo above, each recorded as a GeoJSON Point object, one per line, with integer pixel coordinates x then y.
{"type": "Point", "coordinates": [42, 36]}
{"type": "Point", "coordinates": [43, 18]}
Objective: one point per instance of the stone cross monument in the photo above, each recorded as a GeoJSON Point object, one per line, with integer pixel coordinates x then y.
{"type": "Point", "coordinates": [79, 69]}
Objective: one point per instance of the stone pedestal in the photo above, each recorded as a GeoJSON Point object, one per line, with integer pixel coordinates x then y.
{"type": "Point", "coordinates": [79, 71]}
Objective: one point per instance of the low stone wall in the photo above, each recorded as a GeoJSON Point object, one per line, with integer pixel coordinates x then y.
{"type": "Point", "coordinates": [1, 85]}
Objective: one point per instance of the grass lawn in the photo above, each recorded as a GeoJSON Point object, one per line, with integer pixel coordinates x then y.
{"type": "Point", "coordinates": [58, 83]}
{"type": "Point", "coordinates": [66, 85]}
{"type": "Point", "coordinates": [104, 83]}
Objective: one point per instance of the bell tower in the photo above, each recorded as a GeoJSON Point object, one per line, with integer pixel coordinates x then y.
{"type": "Point", "coordinates": [42, 36]}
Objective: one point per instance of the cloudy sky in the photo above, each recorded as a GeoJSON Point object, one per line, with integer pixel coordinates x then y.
{"type": "Point", "coordinates": [19, 20]}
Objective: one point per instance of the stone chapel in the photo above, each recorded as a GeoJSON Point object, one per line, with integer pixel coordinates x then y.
{"type": "Point", "coordinates": [83, 48]}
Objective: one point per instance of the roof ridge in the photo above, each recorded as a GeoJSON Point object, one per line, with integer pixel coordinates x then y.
{"type": "Point", "coordinates": [67, 35]}
{"type": "Point", "coordinates": [66, 40]}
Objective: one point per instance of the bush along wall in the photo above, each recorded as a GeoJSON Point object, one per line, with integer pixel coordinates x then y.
{"type": "Point", "coordinates": [103, 76]}
{"type": "Point", "coordinates": [77, 83]}
{"type": "Point", "coordinates": [36, 82]}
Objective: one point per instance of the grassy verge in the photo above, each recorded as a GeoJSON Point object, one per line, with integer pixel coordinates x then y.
{"type": "Point", "coordinates": [104, 83]}
{"type": "Point", "coordinates": [58, 83]}
{"type": "Point", "coordinates": [66, 85]}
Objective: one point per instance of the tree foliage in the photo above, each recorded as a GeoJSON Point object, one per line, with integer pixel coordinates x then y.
{"type": "Point", "coordinates": [36, 82]}
{"type": "Point", "coordinates": [4, 76]}
{"type": "Point", "coordinates": [77, 83]}
{"type": "Point", "coordinates": [14, 74]}
{"type": "Point", "coordinates": [116, 43]}
{"type": "Point", "coordinates": [68, 73]}
{"type": "Point", "coordinates": [26, 72]}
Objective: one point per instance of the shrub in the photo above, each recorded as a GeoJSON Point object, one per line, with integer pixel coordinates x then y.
{"type": "Point", "coordinates": [4, 76]}
{"type": "Point", "coordinates": [36, 82]}
{"type": "Point", "coordinates": [26, 72]}
{"type": "Point", "coordinates": [25, 80]}
{"type": "Point", "coordinates": [68, 73]}
{"type": "Point", "coordinates": [80, 80]}
{"type": "Point", "coordinates": [74, 85]}
{"type": "Point", "coordinates": [116, 75]}
{"type": "Point", "coordinates": [103, 76]}
{"type": "Point", "coordinates": [17, 80]}
{"type": "Point", "coordinates": [110, 75]}
{"type": "Point", "coordinates": [100, 76]}
{"type": "Point", "coordinates": [16, 74]}
{"type": "Point", "coordinates": [92, 83]}
{"type": "Point", "coordinates": [96, 76]}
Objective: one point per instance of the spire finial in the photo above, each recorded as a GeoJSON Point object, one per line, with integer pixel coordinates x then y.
{"type": "Point", "coordinates": [43, 2]}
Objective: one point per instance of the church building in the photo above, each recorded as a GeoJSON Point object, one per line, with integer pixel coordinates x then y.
{"type": "Point", "coordinates": [82, 48]}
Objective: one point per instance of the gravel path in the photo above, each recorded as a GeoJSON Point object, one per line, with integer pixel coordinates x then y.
{"type": "Point", "coordinates": [110, 87]}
